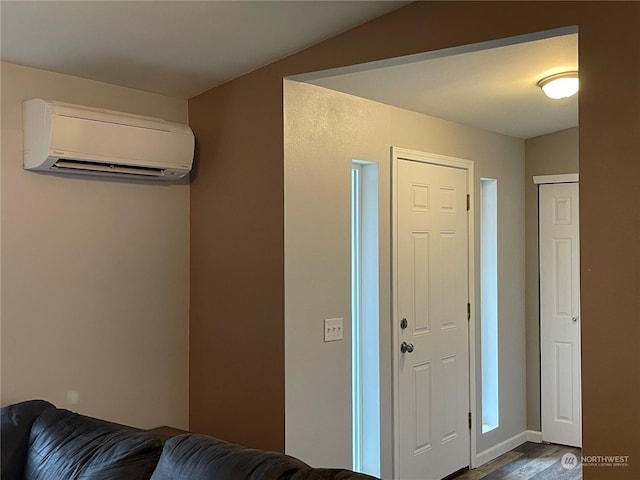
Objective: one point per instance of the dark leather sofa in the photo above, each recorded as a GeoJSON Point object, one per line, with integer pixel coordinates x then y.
{"type": "Point", "coordinates": [42, 442]}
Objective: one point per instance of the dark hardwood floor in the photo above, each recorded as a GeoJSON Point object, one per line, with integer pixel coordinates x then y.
{"type": "Point", "coordinates": [529, 461]}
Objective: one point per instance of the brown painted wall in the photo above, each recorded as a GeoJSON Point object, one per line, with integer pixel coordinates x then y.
{"type": "Point", "coordinates": [609, 155]}
{"type": "Point", "coordinates": [237, 302]}
{"type": "Point", "coordinates": [237, 345]}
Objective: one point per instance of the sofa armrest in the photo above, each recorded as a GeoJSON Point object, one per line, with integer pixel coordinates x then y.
{"type": "Point", "coordinates": [15, 427]}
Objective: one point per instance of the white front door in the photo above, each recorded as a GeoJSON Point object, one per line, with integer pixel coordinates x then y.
{"type": "Point", "coordinates": [560, 313]}
{"type": "Point", "coordinates": [432, 331]}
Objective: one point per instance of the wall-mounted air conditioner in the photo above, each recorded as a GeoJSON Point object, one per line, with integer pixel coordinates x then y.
{"type": "Point", "coordinates": [65, 138]}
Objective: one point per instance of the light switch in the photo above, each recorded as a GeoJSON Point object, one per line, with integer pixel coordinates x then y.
{"type": "Point", "coordinates": [333, 329]}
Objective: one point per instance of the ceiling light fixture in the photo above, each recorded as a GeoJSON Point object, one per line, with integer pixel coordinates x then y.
{"type": "Point", "coordinates": [560, 85]}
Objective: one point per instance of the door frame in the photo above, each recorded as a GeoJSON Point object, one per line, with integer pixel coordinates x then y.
{"type": "Point", "coordinates": [398, 153]}
{"type": "Point", "coordinates": [563, 178]}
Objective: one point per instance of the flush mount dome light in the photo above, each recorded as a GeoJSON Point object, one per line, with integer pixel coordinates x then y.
{"type": "Point", "coordinates": [560, 85]}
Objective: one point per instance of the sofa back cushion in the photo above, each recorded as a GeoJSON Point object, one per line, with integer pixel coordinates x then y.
{"type": "Point", "coordinates": [15, 426]}
{"type": "Point", "coordinates": [66, 445]}
{"type": "Point", "coordinates": [199, 457]}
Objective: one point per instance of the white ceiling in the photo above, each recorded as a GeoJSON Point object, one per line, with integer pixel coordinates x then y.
{"type": "Point", "coordinates": [182, 48]}
{"type": "Point", "coordinates": [494, 89]}
{"type": "Point", "coordinates": [175, 48]}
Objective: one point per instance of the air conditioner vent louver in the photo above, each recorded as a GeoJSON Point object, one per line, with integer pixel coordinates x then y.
{"type": "Point", "coordinates": [66, 165]}
{"type": "Point", "coordinates": [65, 138]}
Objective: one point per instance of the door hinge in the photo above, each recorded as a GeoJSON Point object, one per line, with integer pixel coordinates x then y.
{"type": "Point", "coordinates": [469, 420]}
{"type": "Point", "coordinates": [468, 202]}
{"type": "Point", "coordinates": [468, 311]}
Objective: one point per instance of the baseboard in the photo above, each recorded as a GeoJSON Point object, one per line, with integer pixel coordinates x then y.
{"type": "Point", "coordinates": [501, 448]}
{"type": "Point", "coordinates": [534, 436]}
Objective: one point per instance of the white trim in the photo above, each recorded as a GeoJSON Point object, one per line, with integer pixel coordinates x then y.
{"type": "Point", "coordinates": [436, 159]}
{"type": "Point", "coordinates": [534, 436]}
{"type": "Point", "coordinates": [564, 178]}
{"type": "Point", "coordinates": [476, 423]}
{"type": "Point", "coordinates": [501, 448]}
{"type": "Point", "coordinates": [394, 313]}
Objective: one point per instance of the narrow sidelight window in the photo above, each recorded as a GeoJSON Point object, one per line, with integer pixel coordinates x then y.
{"type": "Point", "coordinates": [365, 318]}
{"type": "Point", "coordinates": [489, 302]}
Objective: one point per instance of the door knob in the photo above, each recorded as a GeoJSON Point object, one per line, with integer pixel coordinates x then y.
{"type": "Point", "coordinates": [574, 319]}
{"type": "Point", "coordinates": [406, 347]}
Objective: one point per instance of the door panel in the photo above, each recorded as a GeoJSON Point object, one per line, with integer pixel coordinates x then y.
{"type": "Point", "coordinates": [421, 285]}
{"type": "Point", "coordinates": [422, 406]}
{"type": "Point", "coordinates": [432, 294]}
{"type": "Point", "coordinates": [560, 314]}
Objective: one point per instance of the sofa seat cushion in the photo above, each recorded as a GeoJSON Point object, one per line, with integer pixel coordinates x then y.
{"type": "Point", "coordinates": [200, 457]}
{"type": "Point", "coordinates": [66, 445]}
{"type": "Point", "coordinates": [16, 422]}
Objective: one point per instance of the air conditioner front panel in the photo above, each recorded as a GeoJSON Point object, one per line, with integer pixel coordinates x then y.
{"type": "Point", "coordinates": [123, 144]}
{"type": "Point", "coordinates": [65, 138]}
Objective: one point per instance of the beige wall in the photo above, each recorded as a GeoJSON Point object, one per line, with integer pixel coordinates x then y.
{"type": "Point", "coordinates": [324, 131]}
{"type": "Point", "coordinates": [94, 272]}
{"type": "Point", "coordinates": [550, 154]}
